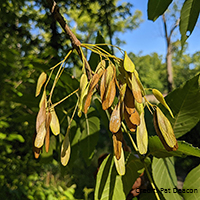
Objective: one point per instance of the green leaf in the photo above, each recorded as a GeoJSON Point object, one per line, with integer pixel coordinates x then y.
{"type": "Point", "coordinates": [185, 105]}
{"type": "Point", "coordinates": [15, 136]}
{"type": "Point", "coordinates": [157, 8]}
{"type": "Point", "coordinates": [94, 58]}
{"type": "Point", "coordinates": [191, 186]}
{"type": "Point", "coordinates": [165, 177]}
{"type": "Point", "coordinates": [90, 135]}
{"type": "Point", "coordinates": [189, 15]}
{"type": "Point", "coordinates": [185, 149]}
{"type": "Point", "coordinates": [110, 185]}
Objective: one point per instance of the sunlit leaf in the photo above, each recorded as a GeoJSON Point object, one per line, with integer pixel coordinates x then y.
{"type": "Point", "coordinates": [90, 135]}
{"type": "Point", "coordinates": [189, 15]}
{"type": "Point", "coordinates": [157, 8]}
{"type": "Point", "coordinates": [191, 185]}
{"type": "Point", "coordinates": [110, 185]}
{"type": "Point", "coordinates": [164, 167]}
{"type": "Point", "coordinates": [184, 149]}
{"type": "Point", "coordinates": [41, 80]}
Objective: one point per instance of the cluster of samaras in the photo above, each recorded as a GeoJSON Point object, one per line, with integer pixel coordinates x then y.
{"type": "Point", "coordinates": [119, 84]}
{"type": "Point", "coordinates": [124, 83]}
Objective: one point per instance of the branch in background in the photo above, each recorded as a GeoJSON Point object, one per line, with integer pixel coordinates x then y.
{"type": "Point", "coordinates": [74, 41]}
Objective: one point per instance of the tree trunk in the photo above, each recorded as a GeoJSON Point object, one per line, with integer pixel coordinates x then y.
{"type": "Point", "coordinates": [169, 68]}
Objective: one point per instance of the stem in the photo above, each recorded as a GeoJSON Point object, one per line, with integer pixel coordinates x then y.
{"type": "Point", "coordinates": [151, 181]}
{"type": "Point", "coordinates": [74, 41]}
{"type": "Point", "coordinates": [55, 104]}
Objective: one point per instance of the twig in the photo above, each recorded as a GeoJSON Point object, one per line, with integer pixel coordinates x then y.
{"type": "Point", "coordinates": [74, 41]}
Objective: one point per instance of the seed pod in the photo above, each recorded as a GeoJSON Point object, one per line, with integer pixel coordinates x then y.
{"type": "Point", "coordinates": [83, 93]}
{"type": "Point", "coordinates": [100, 67]}
{"type": "Point", "coordinates": [54, 124]}
{"type": "Point", "coordinates": [122, 92]}
{"type": "Point", "coordinates": [129, 101]}
{"type": "Point", "coordinates": [65, 150]}
{"type": "Point", "coordinates": [142, 135]}
{"type": "Point", "coordinates": [92, 85]}
{"type": "Point", "coordinates": [136, 89]}
{"type": "Point", "coordinates": [115, 119]}
{"type": "Point", "coordinates": [135, 118]}
{"type": "Point", "coordinates": [161, 99]}
{"type": "Point", "coordinates": [110, 95]}
{"type": "Point", "coordinates": [164, 131]}
{"type": "Point", "coordinates": [120, 164]}
{"type": "Point", "coordinates": [41, 80]}
{"type": "Point", "coordinates": [139, 107]}
{"type": "Point", "coordinates": [132, 127]}
{"type": "Point", "coordinates": [139, 82]}
{"type": "Point", "coordinates": [36, 150]}
{"type": "Point", "coordinates": [40, 126]}
{"type": "Point", "coordinates": [47, 137]}
{"type": "Point", "coordinates": [128, 64]}
{"type": "Point", "coordinates": [117, 143]}
{"type": "Point", "coordinates": [133, 85]}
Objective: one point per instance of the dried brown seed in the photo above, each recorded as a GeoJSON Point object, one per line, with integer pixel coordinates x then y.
{"type": "Point", "coordinates": [40, 126]}
{"type": "Point", "coordinates": [92, 85]}
{"type": "Point", "coordinates": [135, 118]}
{"type": "Point", "coordinates": [65, 150]}
{"type": "Point", "coordinates": [110, 95]}
{"type": "Point", "coordinates": [117, 143]}
{"type": "Point", "coordinates": [115, 119]}
{"type": "Point", "coordinates": [132, 127]}
{"type": "Point", "coordinates": [47, 137]}
{"type": "Point", "coordinates": [129, 101]}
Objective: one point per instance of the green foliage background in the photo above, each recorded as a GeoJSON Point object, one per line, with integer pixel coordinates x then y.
{"type": "Point", "coordinates": [32, 42]}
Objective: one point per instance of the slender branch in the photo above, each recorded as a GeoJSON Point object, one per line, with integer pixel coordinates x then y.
{"type": "Point", "coordinates": [74, 41]}
{"type": "Point", "coordinates": [165, 28]}
{"type": "Point", "coordinates": [176, 24]}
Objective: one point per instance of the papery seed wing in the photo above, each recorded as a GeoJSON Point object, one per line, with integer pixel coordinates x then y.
{"type": "Point", "coordinates": [120, 164]}
{"type": "Point", "coordinates": [65, 150]}
{"type": "Point", "coordinates": [135, 118]}
{"type": "Point", "coordinates": [129, 101]}
{"type": "Point", "coordinates": [132, 127]}
{"type": "Point", "coordinates": [142, 135]}
{"type": "Point", "coordinates": [115, 119]}
{"type": "Point", "coordinates": [117, 143]}
{"type": "Point", "coordinates": [161, 99]}
{"type": "Point", "coordinates": [54, 124]}
{"type": "Point", "coordinates": [128, 64]}
{"type": "Point", "coordinates": [47, 137]}
{"type": "Point", "coordinates": [165, 131]}
{"type": "Point", "coordinates": [41, 80]}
